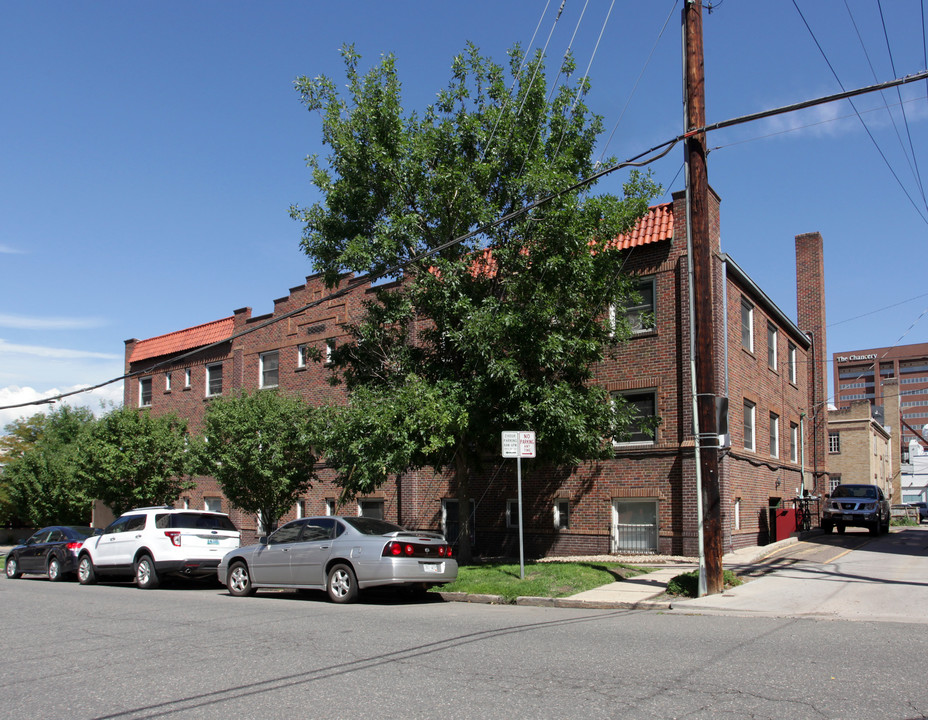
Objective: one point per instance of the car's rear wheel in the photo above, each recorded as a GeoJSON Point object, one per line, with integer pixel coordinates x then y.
{"type": "Point", "coordinates": [85, 572]}
{"type": "Point", "coordinates": [12, 568]}
{"type": "Point", "coordinates": [146, 577]}
{"type": "Point", "coordinates": [54, 569]}
{"type": "Point", "coordinates": [239, 583]}
{"type": "Point", "coordinates": [342, 586]}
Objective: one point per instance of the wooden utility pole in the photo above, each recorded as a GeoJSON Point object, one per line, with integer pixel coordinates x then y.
{"type": "Point", "coordinates": [703, 328]}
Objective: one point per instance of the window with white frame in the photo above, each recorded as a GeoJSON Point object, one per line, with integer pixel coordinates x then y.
{"type": "Point", "coordinates": [750, 410]}
{"type": "Point", "coordinates": [269, 362]}
{"type": "Point", "coordinates": [512, 513]}
{"type": "Point", "coordinates": [791, 361]}
{"type": "Point", "coordinates": [302, 356]}
{"type": "Point", "coordinates": [300, 509]}
{"type": "Point", "coordinates": [329, 349]}
{"type": "Point", "coordinates": [774, 435]}
{"type": "Point", "coordinates": [747, 325]}
{"type": "Point", "coordinates": [372, 508]}
{"type": "Point", "coordinates": [793, 442]}
{"type": "Point", "coordinates": [561, 514]}
{"type": "Point", "coordinates": [214, 379]}
{"type": "Point", "coordinates": [167, 382]}
{"type": "Point", "coordinates": [186, 377]}
{"type": "Point", "coordinates": [640, 313]}
{"type": "Point", "coordinates": [644, 413]}
{"type": "Point", "coordinates": [773, 336]}
{"type": "Point", "coordinates": [212, 504]}
{"type": "Point", "coordinates": [145, 392]}
{"type": "Point", "coordinates": [737, 513]}
{"type": "Point", "coordinates": [330, 506]}
{"type": "Point", "coordinates": [834, 442]}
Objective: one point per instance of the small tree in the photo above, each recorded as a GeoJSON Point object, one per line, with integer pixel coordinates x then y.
{"type": "Point", "coordinates": [502, 329]}
{"type": "Point", "coordinates": [40, 472]}
{"type": "Point", "coordinates": [259, 447]}
{"type": "Point", "coordinates": [135, 459]}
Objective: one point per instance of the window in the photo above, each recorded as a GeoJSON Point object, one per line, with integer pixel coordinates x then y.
{"type": "Point", "coordinates": [300, 508]}
{"type": "Point", "coordinates": [561, 514]}
{"type": "Point", "coordinates": [791, 361]}
{"type": "Point", "coordinates": [330, 506]}
{"type": "Point", "coordinates": [167, 382]}
{"type": "Point", "coordinates": [371, 509]}
{"type": "Point", "coordinates": [145, 392]}
{"type": "Point", "coordinates": [834, 442]}
{"type": "Point", "coordinates": [643, 404]}
{"type": "Point", "coordinates": [747, 325]}
{"type": "Point", "coordinates": [213, 380]}
{"type": "Point", "coordinates": [834, 480]}
{"type": "Point", "coordinates": [512, 513]}
{"type": "Point", "coordinates": [269, 365]}
{"type": "Point", "coordinates": [187, 378]}
{"type": "Point", "coordinates": [774, 435]}
{"type": "Point", "coordinates": [450, 523]}
{"type": "Point", "coordinates": [749, 411]}
{"type": "Point", "coordinates": [302, 356]}
{"type": "Point", "coordinates": [212, 504]}
{"type": "Point", "coordinates": [773, 336]}
{"type": "Point", "coordinates": [793, 442]}
{"type": "Point", "coordinates": [737, 513]}
{"type": "Point", "coordinates": [329, 349]}
{"type": "Point", "coordinates": [640, 313]}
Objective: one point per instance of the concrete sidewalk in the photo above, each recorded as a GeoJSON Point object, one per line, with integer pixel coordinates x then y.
{"type": "Point", "coordinates": [644, 591]}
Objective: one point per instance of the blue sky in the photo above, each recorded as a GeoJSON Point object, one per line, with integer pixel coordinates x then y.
{"type": "Point", "coordinates": [151, 152]}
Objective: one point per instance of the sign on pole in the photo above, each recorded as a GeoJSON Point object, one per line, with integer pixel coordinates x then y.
{"type": "Point", "coordinates": [519, 444]}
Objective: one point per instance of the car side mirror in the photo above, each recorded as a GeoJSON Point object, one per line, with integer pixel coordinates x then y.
{"type": "Point", "coordinates": [262, 540]}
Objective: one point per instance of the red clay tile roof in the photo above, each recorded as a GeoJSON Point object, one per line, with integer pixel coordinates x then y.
{"type": "Point", "coordinates": [657, 225]}
{"type": "Point", "coordinates": [182, 340]}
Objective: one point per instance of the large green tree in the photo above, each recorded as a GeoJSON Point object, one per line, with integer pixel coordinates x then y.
{"type": "Point", "coordinates": [41, 468]}
{"type": "Point", "coordinates": [259, 447]}
{"type": "Point", "coordinates": [132, 458]}
{"type": "Point", "coordinates": [500, 330]}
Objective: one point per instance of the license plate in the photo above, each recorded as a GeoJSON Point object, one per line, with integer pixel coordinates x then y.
{"type": "Point", "coordinates": [212, 541]}
{"type": "Point", "coordinates": [850, 518]}
{"type": "Point", "coordinates": [431, 567]}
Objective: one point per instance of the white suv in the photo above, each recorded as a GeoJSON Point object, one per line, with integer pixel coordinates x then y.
{"type": "Point", "coordinates": [148, 543]}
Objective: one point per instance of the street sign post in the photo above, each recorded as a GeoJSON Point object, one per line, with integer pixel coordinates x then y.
{"type": "Point", "coordinates": [519, 444]}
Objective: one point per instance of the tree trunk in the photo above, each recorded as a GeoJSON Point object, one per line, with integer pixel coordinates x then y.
{"type": "Point", "coordinates": [462, 476]}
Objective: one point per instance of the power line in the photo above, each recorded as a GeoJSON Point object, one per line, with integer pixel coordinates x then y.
{"type": "Point", "coordinates": [661, 149]}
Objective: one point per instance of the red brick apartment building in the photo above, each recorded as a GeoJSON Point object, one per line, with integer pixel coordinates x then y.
{"type": "Point", "coordinates": [642, 500]}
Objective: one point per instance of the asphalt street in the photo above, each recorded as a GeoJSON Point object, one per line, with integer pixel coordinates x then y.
{"type": "Point", "coordinates": [113, 651]}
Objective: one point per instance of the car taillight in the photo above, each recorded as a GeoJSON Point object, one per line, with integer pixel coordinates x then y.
{"type": "Point", "coordinates": [444, 551]}
{"type": "Point", "coordinates": [174, 535]}
{"type": "Point", "coordinates": [74, 546]}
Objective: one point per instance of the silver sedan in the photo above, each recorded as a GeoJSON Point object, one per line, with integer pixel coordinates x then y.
{"type": "Point", "coordinates": [340, 555]}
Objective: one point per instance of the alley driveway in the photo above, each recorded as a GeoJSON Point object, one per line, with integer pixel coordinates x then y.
{"type": "Point", "coordinates": [850, 577]}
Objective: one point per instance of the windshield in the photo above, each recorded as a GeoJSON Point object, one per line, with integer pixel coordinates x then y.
{"type": "Point", "coordinates": [855, 491]}
{"type": "Point", "coordinates": [372, 526]}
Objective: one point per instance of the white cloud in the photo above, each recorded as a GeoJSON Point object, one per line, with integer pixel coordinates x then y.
{"type": "Point", "coordinates": [7, 250]}
{"type": "Point", "coordinates": [51, 352]}
{"type": "Point", "coordinates": [24, 322]}
{"type": "Point", "coordinates": [98, 400]}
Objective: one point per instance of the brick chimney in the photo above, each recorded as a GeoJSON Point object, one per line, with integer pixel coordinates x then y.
{"type": "Point", "coordinates": [810, 301]}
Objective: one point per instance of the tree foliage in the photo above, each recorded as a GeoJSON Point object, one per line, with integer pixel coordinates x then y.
{"type": "Point", "coordinates": [132, 458]}
{"type": "Point", "coordinates": [259, 447]}
{"type": "Point", "coordinates": [40, 474]}
{"type": "Point", "coordinates": [516, 313]}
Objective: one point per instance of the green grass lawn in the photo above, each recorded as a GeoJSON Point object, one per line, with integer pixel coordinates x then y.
{"type": "Point", "coordinates": [548, 579]}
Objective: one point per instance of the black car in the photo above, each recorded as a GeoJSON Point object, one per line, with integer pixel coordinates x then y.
{"type": "Point", "coordinates": [51, 551]}
{"type": "Point", "coordinates": [922, 511]}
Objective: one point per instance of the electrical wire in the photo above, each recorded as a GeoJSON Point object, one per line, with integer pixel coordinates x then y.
{"type": "Point", "coordinates": [635, 161]}
{"type": "Point", "coordinates": [867, 129]}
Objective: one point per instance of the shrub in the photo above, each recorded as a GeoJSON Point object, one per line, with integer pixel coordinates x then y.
{"type": "Point", "coordinates": [687, 584]}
